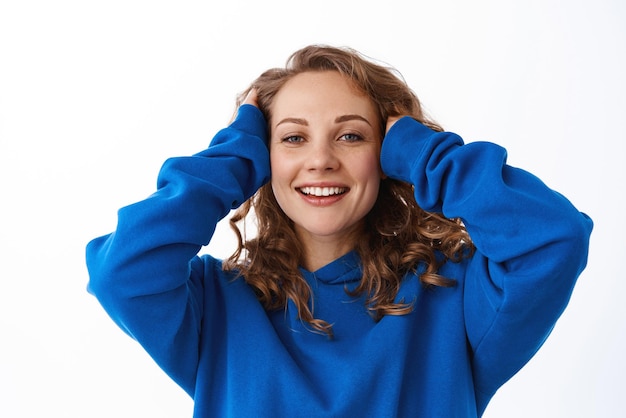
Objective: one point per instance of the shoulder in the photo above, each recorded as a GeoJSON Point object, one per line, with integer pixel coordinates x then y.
{"type": "Point", "coordinates": [208, 266]}
{"type": "Point", "coordinates": [413, 288]}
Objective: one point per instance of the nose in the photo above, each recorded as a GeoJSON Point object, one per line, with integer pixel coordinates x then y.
{"type": "Point", "coordinates": [322, 156]}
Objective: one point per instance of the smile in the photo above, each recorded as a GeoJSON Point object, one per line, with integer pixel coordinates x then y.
{"type": "Point", "coordinates": [322, 191]}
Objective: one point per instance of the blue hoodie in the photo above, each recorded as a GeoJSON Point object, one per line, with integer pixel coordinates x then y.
{"type": "Point", "coordinates": [447, 358]}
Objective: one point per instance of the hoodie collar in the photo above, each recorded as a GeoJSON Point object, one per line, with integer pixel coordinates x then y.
{"type": "Point", "coordinates": [345, 269]}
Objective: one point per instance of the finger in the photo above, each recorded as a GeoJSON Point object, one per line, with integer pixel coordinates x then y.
{"type": "Point", "coordinates": [251, 97]}
{"type": "Point", "coordinates": [390, 121]}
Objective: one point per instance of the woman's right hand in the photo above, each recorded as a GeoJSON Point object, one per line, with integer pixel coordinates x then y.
{"type": "Point", "coordinates": [251, 98]}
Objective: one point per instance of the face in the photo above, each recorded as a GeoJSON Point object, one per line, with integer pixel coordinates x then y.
{"type": "Point", "coordinates": [324, 151]}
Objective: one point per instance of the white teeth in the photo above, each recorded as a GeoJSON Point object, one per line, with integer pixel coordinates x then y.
{"type": "Point", "coordinates": [322, 191]}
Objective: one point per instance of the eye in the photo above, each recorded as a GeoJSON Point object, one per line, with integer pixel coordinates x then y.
{"type": "Point", "coordinates": [351, 137]}
{"type": "Point", "coordinates": [292, 139]}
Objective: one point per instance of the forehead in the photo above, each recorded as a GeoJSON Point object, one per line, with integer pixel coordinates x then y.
{"type": "Point", "coordinates": [321, 92]}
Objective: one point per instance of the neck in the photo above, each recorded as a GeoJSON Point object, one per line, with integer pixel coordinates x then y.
{"type": "Point", "coordinates": [320, 251]}
{"type": "Point", "coordinates": [317, 259]}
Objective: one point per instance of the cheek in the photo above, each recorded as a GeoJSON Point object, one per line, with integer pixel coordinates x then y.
{"type": "Point", "coordinates": [369, 166]}
{"type": "Point", "coordinates": [282, 174]}
{"type": "Point", "coordinates": [376, 174]}
{"type": "Point", "coordinates": [367, 171]}
{"type": "Point", "coordinates": [279, 165]}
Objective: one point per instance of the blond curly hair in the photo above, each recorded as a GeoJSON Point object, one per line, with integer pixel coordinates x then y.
{"type": "Point", "coordinates": [397, 235]}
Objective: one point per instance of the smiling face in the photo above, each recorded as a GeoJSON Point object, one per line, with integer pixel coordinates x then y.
{"type": "Point", "coordinates": [325, 151]}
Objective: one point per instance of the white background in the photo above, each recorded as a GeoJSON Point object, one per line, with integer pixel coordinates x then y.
{"type": "Point", "coordinates": [95, 95]}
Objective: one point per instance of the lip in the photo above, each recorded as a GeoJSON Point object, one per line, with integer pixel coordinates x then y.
{"type": "Point", "coordinates": [322, 194]}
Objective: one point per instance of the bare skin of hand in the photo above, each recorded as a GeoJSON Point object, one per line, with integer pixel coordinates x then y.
{"type": "Point", "coordinates": [251, 98]}
{"type": "Point", "coordinates": [390, 121]}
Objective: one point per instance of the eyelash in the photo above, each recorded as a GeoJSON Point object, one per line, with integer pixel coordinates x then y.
{"type": "Point", "coordinates": [291, 139]}
{"type": "Point", "coordinates": [297, 138]}
{"type": "Point", "coordinates": [356, 138]}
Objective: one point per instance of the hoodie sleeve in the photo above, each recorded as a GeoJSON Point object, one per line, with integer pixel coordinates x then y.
{"type": "Point", "coordinates": [531, 243]}
{"type": "Point", "coordinates": [147, 274]}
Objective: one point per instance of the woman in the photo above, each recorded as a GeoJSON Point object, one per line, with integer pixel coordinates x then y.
{"type": "Point", "coordinates": [396, 271]}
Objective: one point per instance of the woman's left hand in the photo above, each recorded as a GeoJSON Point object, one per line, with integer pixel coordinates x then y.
{"type": "Point", "coordinates": [390, 121]}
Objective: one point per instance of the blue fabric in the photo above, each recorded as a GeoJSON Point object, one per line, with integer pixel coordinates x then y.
{"type": "Point", "coordinates": [447, 358]}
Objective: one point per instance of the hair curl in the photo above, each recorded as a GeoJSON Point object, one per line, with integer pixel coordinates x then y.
{"type": "Point", "coordinates": [397, 236]}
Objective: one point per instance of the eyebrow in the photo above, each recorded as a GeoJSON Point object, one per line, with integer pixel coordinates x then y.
{"type": "Point", "coordinates": [298, 121]}
{"type": "Point", "coordinates": [346, 118]}
{"type": "Point", "coordinates": [339, 119]}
